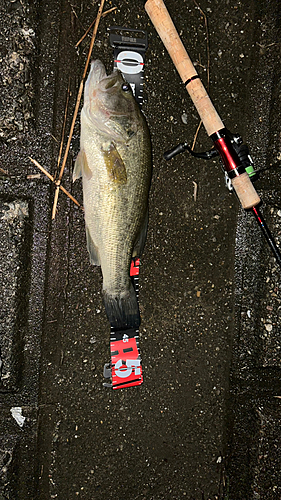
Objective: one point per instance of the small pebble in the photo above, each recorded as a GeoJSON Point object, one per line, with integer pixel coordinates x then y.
{"type": "Point", "coordinates": [184, 118]}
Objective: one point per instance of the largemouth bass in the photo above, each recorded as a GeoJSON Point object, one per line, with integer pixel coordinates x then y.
{"type": "Point", "coordinates": [115, 164]}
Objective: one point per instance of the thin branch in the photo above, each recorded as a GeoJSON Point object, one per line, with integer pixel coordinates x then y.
{"type": "Point", "coordinates": [90, 27]}
{"type": "Point", "coordinates": [64, 124]}
{"type": "Point", "coordinates": [4, 171]}
{"type": "Point", "coordinates": [76, 108]}
{"type": "Point", "coordinates": [53, 180]}
{"type": "Point", "coordinates": [53, 137]}
{"type": "Point", "coordinates": [196, 135]}
{"type": "Point", "coordinates": [33, 176]}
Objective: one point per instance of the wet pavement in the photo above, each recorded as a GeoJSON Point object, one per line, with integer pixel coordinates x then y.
{"type": "Point", "coordinates": [206, 422]}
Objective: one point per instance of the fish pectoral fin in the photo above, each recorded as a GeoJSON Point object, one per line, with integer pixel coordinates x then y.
{"type": "Point", "coordinates": [92, 249]}
{"type": "Point", "coordinates": [114, 164]}
{"type": "Point", "coordinates": [81, 167]}
{"type": "Point", "coordinates": [77, 172]}
{"type": "Point", "coordinates": [140, 241]}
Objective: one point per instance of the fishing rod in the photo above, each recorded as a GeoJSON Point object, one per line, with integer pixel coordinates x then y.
{"type": "Point", "coordinates": [233, 153]}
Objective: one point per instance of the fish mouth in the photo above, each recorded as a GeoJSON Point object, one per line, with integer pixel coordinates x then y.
{"type": "Point", "coordinates": [99, 77]}
{"type": "Point", "coordinates": [98, 82]}
{"type": "Point", "coordinates": [97, 72]}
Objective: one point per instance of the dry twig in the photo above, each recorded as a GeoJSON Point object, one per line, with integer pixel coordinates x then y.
{"type": "Point", "coordinates": [53, 180]}
{"type": "Point", "coordinates": [196, 135]}
{"type": "Point", "coordinates": [90, 27]}
{"type": "Point", "coordinates": [76, 110]}
{"type": "Point", "coordinates": [30, 177]}
{"type": "Point", "coordinates": [64, 124]}
{"type": "Point", "coordinates": [2, 171]}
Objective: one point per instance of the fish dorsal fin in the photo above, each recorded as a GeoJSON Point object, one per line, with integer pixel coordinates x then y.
{"type": "Point", "coordinates": [81, 167]}
{"type": "Point", "coordinates": [114, 164]}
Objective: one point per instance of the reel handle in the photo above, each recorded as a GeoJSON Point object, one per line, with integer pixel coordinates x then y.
{"type": "Point", "coordinates": [165, 27]}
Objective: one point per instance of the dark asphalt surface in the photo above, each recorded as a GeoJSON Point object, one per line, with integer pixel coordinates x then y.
{"type": "Point", "coordinates": [206, 422]}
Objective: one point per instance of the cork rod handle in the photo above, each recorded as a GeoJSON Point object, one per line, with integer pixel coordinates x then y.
{"type": "Point", "coordinates": [165, 27]}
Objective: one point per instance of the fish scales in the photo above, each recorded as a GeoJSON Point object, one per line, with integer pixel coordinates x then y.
{"type": "Point", "coordinates": [115, 164]}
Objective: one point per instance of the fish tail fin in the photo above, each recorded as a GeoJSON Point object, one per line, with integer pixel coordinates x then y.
{"type": "Point", "coordinates": [123, 310]}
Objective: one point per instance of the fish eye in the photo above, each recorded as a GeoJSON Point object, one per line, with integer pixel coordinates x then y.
{"type": "Point", "coordinates": [125, 87]}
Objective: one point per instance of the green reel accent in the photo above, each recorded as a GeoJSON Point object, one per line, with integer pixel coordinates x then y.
{"type": "Point", "coordinates": [250, 171]}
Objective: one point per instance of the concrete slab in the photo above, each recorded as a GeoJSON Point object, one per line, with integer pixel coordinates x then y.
{"type": "Point", "coordinates": [14, 243]}
{"type": "Point", "coordinates": [266, 482]}
{"type": "Point", "coordinates": [189, 431]}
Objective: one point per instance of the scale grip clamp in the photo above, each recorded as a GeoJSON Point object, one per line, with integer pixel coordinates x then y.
{"type": "Point", "coordinates": [118, 38]}
{"type": "Point", "coordinates": [129, 55]}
